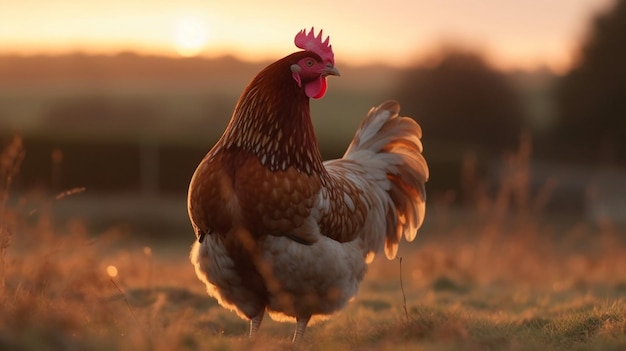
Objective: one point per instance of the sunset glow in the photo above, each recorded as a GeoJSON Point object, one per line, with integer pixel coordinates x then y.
{"type": "Point", "coordinates": [515, 33]}
{"type": "Point", "coordinates": [190, 36]}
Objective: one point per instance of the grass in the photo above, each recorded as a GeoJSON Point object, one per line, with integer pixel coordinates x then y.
{"type": "Point", "coordinates": [499, 277]}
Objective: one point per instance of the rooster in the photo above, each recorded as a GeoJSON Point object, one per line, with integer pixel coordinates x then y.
{"type": "Point", "coordinates": [280, 230]}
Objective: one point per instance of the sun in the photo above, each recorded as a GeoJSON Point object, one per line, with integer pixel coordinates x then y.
{"type": "Point", "coordinates": [190, 36]}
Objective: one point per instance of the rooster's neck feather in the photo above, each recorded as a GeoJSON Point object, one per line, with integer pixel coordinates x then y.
{"type": "Point", "coordinates": [272, 120]}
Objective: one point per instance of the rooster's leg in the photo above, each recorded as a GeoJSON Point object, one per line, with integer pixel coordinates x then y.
{"type": "Point", "coordinates": [301, 323]}
{"type": "Point", "coordinates": [255, 323]}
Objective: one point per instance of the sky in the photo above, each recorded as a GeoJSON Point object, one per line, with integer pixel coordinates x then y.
{"type": "Point", "coordinates": [513, 34]}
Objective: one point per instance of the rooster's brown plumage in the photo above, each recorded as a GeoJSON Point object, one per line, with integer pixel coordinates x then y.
{"type": "Point", "coordinates": [278, 229]}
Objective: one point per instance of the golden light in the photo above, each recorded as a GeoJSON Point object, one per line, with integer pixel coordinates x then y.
{"type": "Point", "coordinates": [190, 36]}
{"type": "Point", "coordinates": [112, 271]}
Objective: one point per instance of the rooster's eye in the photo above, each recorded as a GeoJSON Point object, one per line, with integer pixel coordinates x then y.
{"type": "Point", "coordinates": [309, 63]}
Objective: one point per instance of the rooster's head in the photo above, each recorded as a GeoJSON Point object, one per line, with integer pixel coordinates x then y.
{"type": "Point", "coordinates": [312, 70]}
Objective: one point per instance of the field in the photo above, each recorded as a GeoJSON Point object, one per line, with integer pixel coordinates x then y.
{"type": "Point", "coordinates": [498, 275]}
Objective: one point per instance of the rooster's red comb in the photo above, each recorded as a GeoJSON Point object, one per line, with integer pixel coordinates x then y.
{"type": "Point", "coordinates": [313, 43]}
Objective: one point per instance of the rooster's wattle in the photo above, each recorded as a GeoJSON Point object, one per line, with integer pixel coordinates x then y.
{"type": "Point", "coordinates": [278, 229]}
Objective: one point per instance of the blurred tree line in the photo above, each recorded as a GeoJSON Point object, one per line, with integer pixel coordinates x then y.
{"type": "Point", "coordinates": [463, 103]}
{"type": "Point", "coordinates": [470, 110]}
{"type": "Point", "coordinates": [471, 113]}
{"type": "Point", "coordinates": [591, 98]}
{"type": "Point", "coordinates": [467, 110]}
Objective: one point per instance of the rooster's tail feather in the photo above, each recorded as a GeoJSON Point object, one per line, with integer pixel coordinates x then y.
{"type": "Point", "coordinates": [395, 142]}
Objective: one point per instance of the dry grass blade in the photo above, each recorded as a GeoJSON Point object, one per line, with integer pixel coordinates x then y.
{"type": "Point", "coordinates": [406, 311]}
{"type": "Point", "coordinates": [10, 161]}
{"type": "Point", "coordinates": [70, 192]}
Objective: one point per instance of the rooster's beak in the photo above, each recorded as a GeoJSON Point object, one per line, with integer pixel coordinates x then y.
{"type": "Point", "coordinates": [330, 71]}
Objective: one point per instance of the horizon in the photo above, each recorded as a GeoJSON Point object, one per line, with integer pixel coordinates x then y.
{"type": "Point", "coordinates": [518, 35]}
{"type": "Point", "coordinates": [425, 61]}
